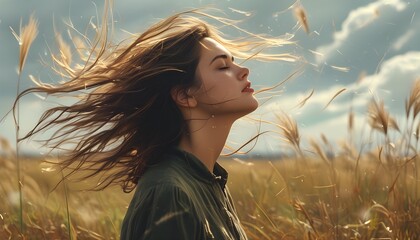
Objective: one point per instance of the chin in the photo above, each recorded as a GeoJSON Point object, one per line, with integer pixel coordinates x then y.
{"type": "Point", "coordinates": [252, 106]}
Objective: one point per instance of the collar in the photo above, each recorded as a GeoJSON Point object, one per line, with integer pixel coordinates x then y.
{"type": "Point", "coordinates": [199, 170]}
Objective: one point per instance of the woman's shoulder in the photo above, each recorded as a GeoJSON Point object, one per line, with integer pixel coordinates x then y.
{"type": "Point", "coordinates": [159, 209]}
{"type": "Point", "coordinates": [161, 182]}
{"type": "Point", "coordinates": [169, 171]}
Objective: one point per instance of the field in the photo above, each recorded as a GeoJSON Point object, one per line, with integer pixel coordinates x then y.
{"type": "Point", "coordinates": [319, 192]}
{"type": "Point", "coordinates": [296, 198]}
{"type": "Point", "coordinates": [324, 191]}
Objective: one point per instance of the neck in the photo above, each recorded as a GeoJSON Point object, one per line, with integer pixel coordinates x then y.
{"type": "Point", "coordinates": [206, 139]}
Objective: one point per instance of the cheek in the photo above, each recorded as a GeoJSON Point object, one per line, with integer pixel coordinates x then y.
{"type": "Point", "coordinates": [215, 86]}
{"type": "Point", "coordinates": [220, 90]}
{"type": "Point", "coordinates": [212, 92]}
{"type": "Point", "coordinates": [208, 86]}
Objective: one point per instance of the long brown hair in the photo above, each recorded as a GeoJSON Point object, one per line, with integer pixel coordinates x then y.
{"type": "Point", "coordinates": [125, 117]}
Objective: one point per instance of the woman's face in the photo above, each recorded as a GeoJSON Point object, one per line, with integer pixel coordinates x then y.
{"type": "Point", "coordinates": [225, 88]}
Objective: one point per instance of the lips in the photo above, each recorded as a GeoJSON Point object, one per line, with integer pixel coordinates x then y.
{"type": "Point", "coordinates": [248, 88]}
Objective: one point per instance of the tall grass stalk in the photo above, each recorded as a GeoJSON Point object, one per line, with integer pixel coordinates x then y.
{"type": "Point", "coordinates": [25, 38]}
{"type": "Point", "coordinates": [66, 197]}
{"type": "Point", "coordinates": [412, 110]}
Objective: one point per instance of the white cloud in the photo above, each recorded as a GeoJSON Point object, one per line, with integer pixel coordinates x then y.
{"type": "Point", "coordinates": [394, 79]}
{"type": "Point", "coordinates": [392, 84]}
{"type": "Point", "coordinates": [357, 20]}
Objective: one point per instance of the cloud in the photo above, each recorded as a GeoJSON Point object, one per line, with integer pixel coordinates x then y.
{"type": "Point", "coordinates": [356, 21]}
{"type": "Point", "coordinates": [393, 81]}
{"type": "Point", "coordinates": [371, 35]}
{"type": "Point", "coordinates": [392, 84]}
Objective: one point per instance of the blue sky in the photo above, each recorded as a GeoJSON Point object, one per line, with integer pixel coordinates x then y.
{"type": "Point", "coordinates": [346, 39]}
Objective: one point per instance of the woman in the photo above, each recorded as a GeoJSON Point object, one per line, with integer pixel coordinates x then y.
{"type": "Point", "coordinates": [155, 115]}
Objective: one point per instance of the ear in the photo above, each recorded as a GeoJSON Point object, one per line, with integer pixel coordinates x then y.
{"type": "Point", "coordinates": [182, 98]}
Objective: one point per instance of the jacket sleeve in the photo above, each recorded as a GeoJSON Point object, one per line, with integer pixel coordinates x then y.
{"type": "Point", "coordinates": [163, 212]}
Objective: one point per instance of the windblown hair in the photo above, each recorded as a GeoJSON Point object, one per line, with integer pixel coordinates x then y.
{"type": "Point", "coordinates": [125, 117]}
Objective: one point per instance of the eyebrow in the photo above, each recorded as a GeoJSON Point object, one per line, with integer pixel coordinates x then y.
{"type": "Point", "coordinates": [224, 56]}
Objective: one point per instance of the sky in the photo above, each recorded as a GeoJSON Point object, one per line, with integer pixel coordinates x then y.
{"type": "Point", "coordinates": [361, 49]}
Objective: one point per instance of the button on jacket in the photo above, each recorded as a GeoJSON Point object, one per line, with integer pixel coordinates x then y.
{"type": "Point", "coordinates": [179, 198]}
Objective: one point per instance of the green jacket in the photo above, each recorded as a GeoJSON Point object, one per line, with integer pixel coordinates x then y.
{"type": "Point", "coordinates": [179, 198]}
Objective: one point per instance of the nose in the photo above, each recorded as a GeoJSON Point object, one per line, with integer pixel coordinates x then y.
{"type": "Point", "coordinates": [243, 73]}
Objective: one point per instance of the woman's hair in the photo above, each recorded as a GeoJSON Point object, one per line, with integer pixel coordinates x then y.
{"type": "Point", "coordinates": [125, 117]}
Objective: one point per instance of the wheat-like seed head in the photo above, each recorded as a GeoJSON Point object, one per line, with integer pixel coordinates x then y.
{"type": "Point", "coordinates": [65, 50]}
{"type": "Point", "coordinates": [379, 118]}
{"type": "Point", "coordinates": [351, 120]}
{"type": "Point", "coordinates": [325, 139]}
{"type": "Point", "coordinates": [318, 150]}
{"type": "Point", "coordinates": [300, 15]}
{"type": "Point", "coordinates": [25, 38]}
{"type": "Point", "coordinates": [289, 129]}
{"type": "Point", "coordinates": [413, 102]}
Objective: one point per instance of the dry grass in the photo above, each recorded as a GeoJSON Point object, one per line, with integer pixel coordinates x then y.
{"type": "Point", "coordinates": [327, 194]}
{"type": "Point", "coordinates": [25, 38]}
{"type": "Point", "coordinates": [275, 200]}
{"type": "Point", "coordinates": [93, 215]}
{"type": "Point", "coordinates": [27, 35]}
{"type": "Point", "coordinates": [300, 15]}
